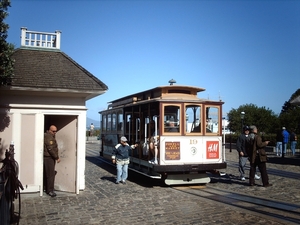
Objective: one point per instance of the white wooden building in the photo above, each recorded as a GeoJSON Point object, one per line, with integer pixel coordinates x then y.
{"type": "Point", "coordinates": [48, 87]}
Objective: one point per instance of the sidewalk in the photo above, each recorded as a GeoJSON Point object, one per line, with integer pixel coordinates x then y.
{"type": "Point", "coordinates": [93, 139]}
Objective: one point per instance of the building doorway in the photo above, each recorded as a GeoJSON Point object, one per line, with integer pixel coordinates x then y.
{"type": "Point", "coordinates": [65, 179]}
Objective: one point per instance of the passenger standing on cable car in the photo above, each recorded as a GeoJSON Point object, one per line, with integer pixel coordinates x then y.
{"type": "Point", "coordinates": [120, 156]}
{"type": "Point", "coordinates": [153, 143]}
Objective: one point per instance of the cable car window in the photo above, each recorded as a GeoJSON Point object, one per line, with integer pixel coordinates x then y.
{"type": "Point", "coordinates": [128, 128]}
{"type": "Point", "coordinates": [212, 119]}
{"type": "Point", "coordinates": [193, 118]}
{"type": "Point", "coordinates": [114, 122]}
{"type": "Point", "coordinates": [120, 121]}
{"type": "Point", "coordinates": [103, 128]}
{"type": "Point", "coordinates": [108, 127]}
{"type": "Point", "coordinates": [171, 118]}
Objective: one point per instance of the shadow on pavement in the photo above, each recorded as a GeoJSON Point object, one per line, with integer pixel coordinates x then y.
{"type": "Point", "coordinates": [134, 177]}
{"type": "Point", "coordinates": [96, 161]}
{"type": "Point", "coordinates": [110, 178]}
{"type": "Point", "coordinates": [228, 179]}
{"type": "Point", "coordinates": [285, 161]}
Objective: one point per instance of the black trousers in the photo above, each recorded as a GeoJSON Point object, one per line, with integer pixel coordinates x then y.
{"type": "Point", "coordinates": [263, 171]}
{"type": "Point", "coordinates": [49, 173]}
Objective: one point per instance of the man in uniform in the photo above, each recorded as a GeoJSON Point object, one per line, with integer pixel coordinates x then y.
{"type": "Point", "coordinates": [50, 158]}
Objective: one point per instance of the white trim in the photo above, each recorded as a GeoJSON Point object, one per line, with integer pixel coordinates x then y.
{"type": "Point", "coordinates": [58, 107]}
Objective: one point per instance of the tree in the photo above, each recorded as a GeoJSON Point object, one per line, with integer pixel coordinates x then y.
{"type": "Point", "coordinates": [6, 62]}
{"type": "Point", "coordinates": [290, 114]}
{"type": "Point", "coordinates": [264, 119]}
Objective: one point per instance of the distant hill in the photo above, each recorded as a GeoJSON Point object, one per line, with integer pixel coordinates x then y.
{"type": "Point", "coordinates": [95, 122]}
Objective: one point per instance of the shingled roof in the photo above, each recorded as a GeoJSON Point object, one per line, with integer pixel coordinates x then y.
{"type": "Point", "coordinates": [39, 68]}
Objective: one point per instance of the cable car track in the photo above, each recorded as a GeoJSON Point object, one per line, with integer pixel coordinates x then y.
{"type": "Point", "coordinates": [283, 212]}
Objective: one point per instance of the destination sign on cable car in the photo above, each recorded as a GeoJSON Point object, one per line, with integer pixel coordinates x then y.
{"type": "Point", "coordinates": [172, 150]}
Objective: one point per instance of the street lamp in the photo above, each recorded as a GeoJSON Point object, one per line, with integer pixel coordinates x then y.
{"type": "Point", "coordinates": [223, 124]}
{"type": "Point", "coordinates": [242, 118]}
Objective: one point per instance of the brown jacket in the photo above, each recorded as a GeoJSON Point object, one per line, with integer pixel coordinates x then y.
{"type": "Point", "coordinates": [258, 149]}
{"type": "Point", "coordinates": [50, 146]}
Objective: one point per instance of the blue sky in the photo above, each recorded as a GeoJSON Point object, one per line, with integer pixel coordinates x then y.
{"type": "Point", "coordinates": [242, 52]}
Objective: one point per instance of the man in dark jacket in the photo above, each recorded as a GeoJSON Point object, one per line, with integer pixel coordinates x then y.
{"type": "Point", "coordinates": [120, 156]}
{"type": "Point", "coordinates": [50, 157]}
{"type": "Point", "coordinates": [258, 157]}
{"type": "Point", "coordinates": [243, 157]}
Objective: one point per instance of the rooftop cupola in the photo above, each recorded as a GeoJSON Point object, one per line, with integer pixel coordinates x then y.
{"type": "Point", "coordinates": [37, 39]}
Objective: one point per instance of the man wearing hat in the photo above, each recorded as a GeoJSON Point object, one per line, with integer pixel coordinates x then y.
{"type": "Point", "coordinates": [243, 157]}
{"type": "Point", "coordinates": [285, 140]}
{"type": "Point", "coordinates": [120, 156]}
{"type": "Point", "coordinates": [258, 157]}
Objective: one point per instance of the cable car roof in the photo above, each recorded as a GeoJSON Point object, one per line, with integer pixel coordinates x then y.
{"type": "Point", "coordinates": [161, 92]}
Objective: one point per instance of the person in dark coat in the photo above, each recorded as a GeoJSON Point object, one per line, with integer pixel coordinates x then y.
{"type": "Point", "coordinates": [120, 156]}
{"type": "Point", "coordinates": [50, 158]}
{"type": "Point", "coordinates": [243, 156]}
{"type": "Point", "coordinates": [258, 157]}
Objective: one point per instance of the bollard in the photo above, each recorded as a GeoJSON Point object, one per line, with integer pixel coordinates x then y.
{"type": "Point", "coordinates": [4, 208]}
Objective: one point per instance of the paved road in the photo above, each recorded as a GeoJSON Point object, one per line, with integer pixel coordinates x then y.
{"type": "Point", "coordinates": [140, 202]}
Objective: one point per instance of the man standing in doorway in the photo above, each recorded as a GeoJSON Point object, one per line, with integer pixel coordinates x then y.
{"type": "Point", "coordinates": [50, 158]}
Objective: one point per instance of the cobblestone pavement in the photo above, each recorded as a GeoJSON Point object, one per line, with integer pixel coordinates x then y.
{"type": "Point", "coordinates": [137, 202]}
{"type": "Point", "coordinates": [284, 174]}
